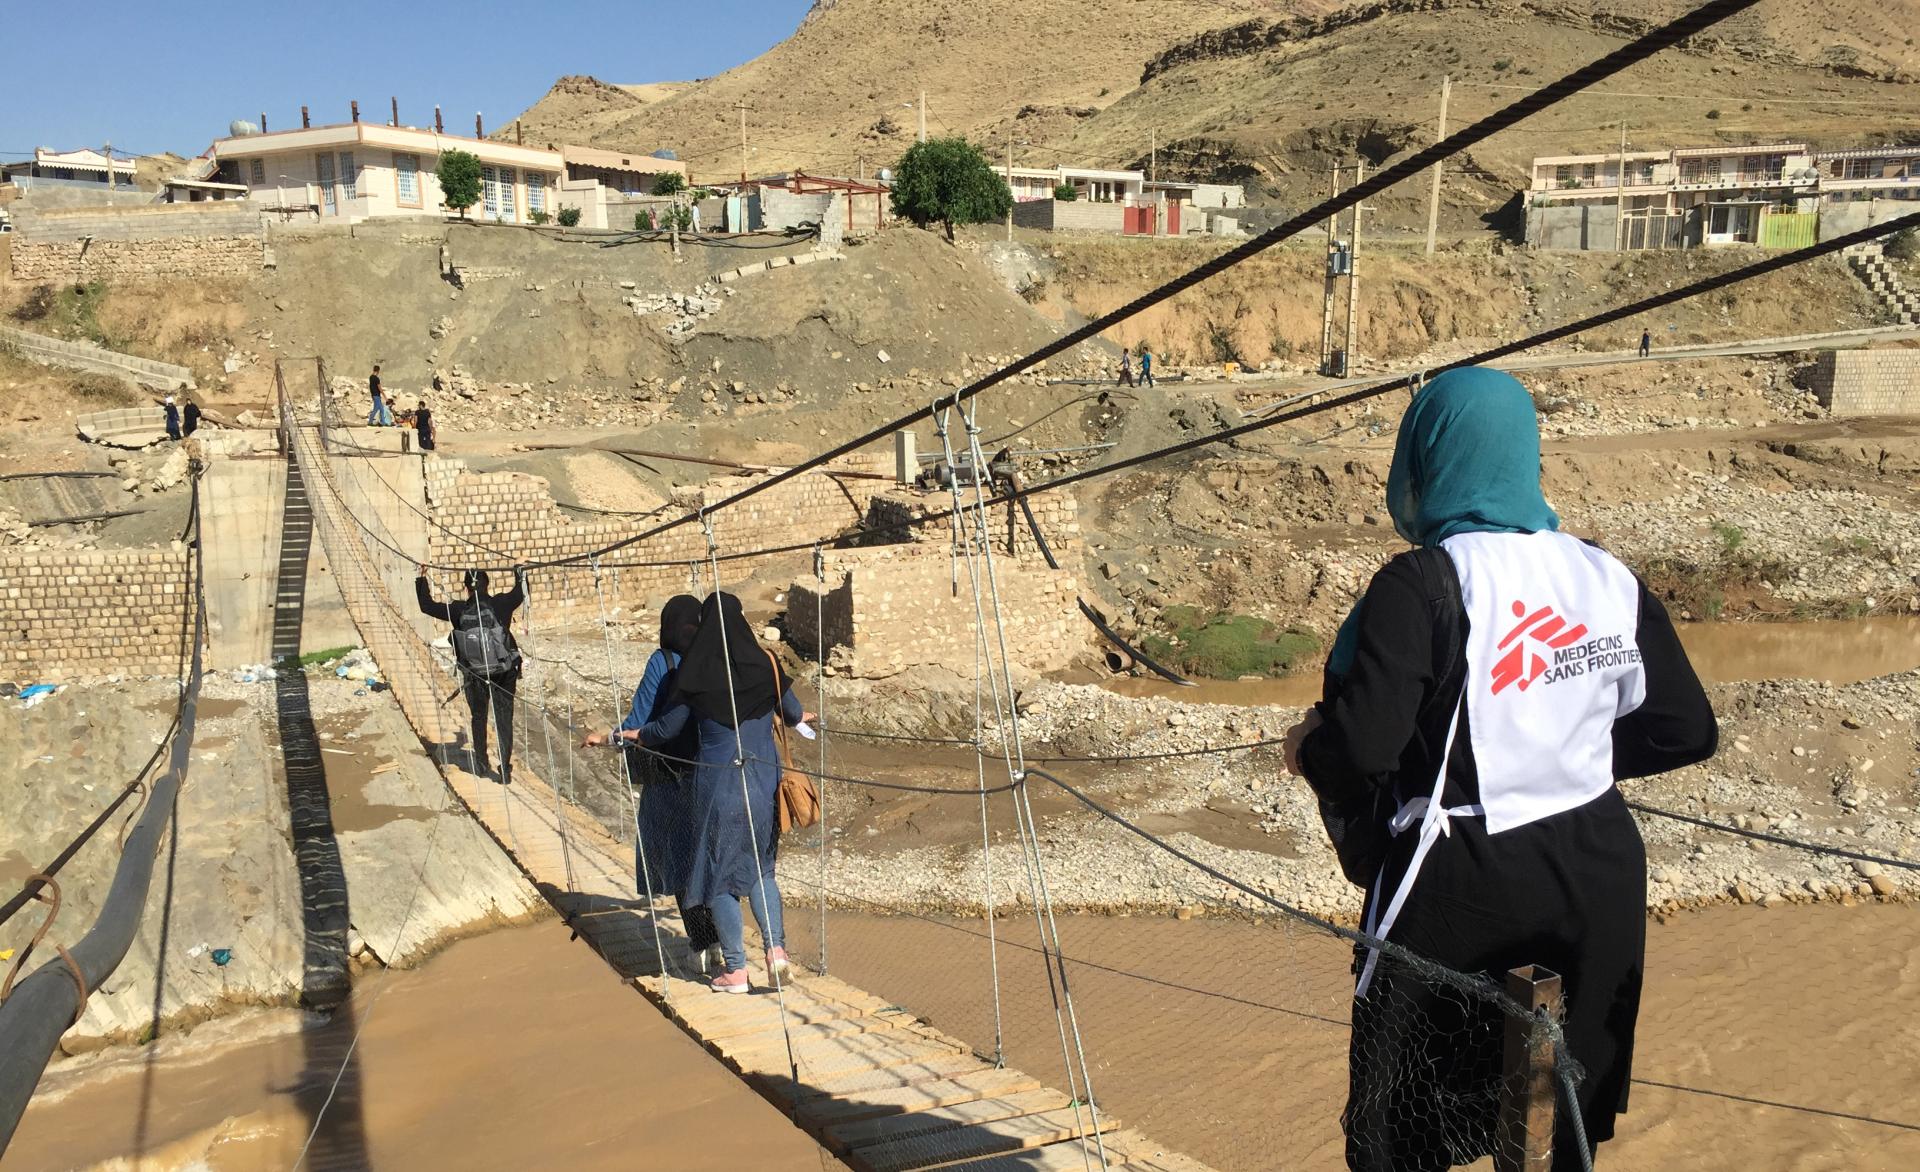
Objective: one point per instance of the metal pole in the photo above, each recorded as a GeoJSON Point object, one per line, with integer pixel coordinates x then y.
{"type": "Point", "coordinates": [1620, 202]}
{"type": "Point", "coordinates": [923, 115]}
{"type": "Point", "coordinates": [1009, 185]}
{"type": "Point", "coordinates": [1524, 1141]}
{"type": "Point", "coordinates": [1326, 315]}
{"type": "Point", "coordinates": [742, 107]}
{"type": "Point", "coordinates": [1153, 155]}
{"type": "Point", "coordinates": [1433, 195]}
{"type": "Point", "coordinates": [1353, 266]}
{"type": "Point", "coordinates": [395, 101]}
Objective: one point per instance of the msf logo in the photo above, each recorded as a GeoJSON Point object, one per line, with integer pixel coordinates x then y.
{"type": "Point", "coordinates": [1520, 665]}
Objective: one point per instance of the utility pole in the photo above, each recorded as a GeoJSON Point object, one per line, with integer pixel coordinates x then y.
{"type": "Point", "coordinates": [112, 184]}
{"type": "Point", "coordinates": [1620, 194]}
{"type": "Point", "coordinates": [1009, 185]}
{"type": "Point", "coordinates": [923, 115]}
{"type": "Point", "coordinates": [1326, 314]}
{"type": "Point", "coordinates": [1153, 155]}
{"type": "Point", "coordinates": [1353, 265]}
{"type": "Point", "coordinates": [743, 108]}
{"type": "Point", "coordinates": [1440, 132]}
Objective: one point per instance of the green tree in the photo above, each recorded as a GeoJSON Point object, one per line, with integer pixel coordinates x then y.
{"type": "Point", "coordinates": [459, 176]}
{"type": "Point", "coordinates": [569, 217]}
{"type": "Point", "coordinates": [669, 183]}
{"type": "Point", "coordinates": [947, 181]}
{"type": "Point", "coordinates": [1066, 192]}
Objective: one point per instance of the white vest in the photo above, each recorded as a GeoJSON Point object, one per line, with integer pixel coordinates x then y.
{"type": "Point", "coordinates": [1552, 662]}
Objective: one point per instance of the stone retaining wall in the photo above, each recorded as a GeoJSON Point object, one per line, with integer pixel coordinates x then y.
{"type": "Point", "coordinates": [87, 356]}
{"type": "Point", "coordinates": [891, 608]}
{"type": "Point", "coordinates": [66, 613]}
{"type": "Point", "coordinates": [1869, 382]}
{"type": "Point", "coordinates": [219, 239]}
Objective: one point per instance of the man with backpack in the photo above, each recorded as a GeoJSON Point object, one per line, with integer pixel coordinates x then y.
{"type": "Point", "coordinates": [486, 654]}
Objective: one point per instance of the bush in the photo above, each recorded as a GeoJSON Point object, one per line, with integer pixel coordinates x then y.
{"type": "Point", "coordinates": [1225, 646]}
{"type": "Point", "coordinates": [1502, 65]}
{"type": "Point", "coordinates": [1066, 193]}
{"type": "Point", "coordinates": [569, 217]}
{"type": "Point", "coordinates": [459, 176]}
{"type": "Point", "coordinates": [669, 183]}
{"type": "Point", "coordinates": [1905, 245]}
{"type": "Point", "coordinates": [643, 221]}
{"type": "Point", "coordinates": [1713, 115]}
{"type": "Point", "coordinates": [1732, 537]}
{"type": "Point", "coordinates": [539, 217]}
{"type": "Point", "coordinates": [947, 181]}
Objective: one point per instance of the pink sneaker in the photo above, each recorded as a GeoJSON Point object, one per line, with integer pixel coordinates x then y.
{"type": "Point", "coordinates": [778, 966]}
{"type": "Point", "coordinates": [733, 982]}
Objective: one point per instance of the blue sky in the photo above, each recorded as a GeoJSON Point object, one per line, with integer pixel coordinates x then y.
{"type": "Point", "coordinates": [151, 77]}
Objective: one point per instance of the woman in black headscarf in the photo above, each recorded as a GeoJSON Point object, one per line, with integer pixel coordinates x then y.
{"type": "Point", "coordinates": [664, 847]}
{"type": "Point", "coordinates": [729, 690]}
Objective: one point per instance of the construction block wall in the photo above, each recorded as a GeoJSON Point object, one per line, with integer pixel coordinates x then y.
{"type": "Point", "coordinates": [78, 613]}
{"type": "Point", "coordinates": [224, 238]}
{"type": "Point", "coordinates": [1869, 382]}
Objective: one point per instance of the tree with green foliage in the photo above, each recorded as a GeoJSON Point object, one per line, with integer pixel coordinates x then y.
{"type": "Point", "coordinates": [947, 181]}
{"type": "Point", "coordinates": [1066, 193]}
{"type": "Point", "coordinates": [669, 183]}
{"type": "Point", "coordinates": [459, 176]}
{"type": "Point", "coordinates": [569, 217]}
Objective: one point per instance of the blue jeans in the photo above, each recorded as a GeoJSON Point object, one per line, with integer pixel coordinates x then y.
{"type": "Point", "coordinates": [733, 930]}
{"type": "Point", "coordinates": [381, 415]}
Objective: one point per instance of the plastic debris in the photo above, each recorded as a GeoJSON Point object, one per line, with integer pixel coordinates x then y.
{"type": "Point", "coordinates": [36, 693]}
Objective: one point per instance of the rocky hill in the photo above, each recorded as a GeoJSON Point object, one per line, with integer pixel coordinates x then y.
{"type": "Point", "coordinates": [1262, 94]}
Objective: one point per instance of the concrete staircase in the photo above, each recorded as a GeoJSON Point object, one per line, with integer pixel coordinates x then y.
{"type": "Point", "coordinates": [1869, 263]}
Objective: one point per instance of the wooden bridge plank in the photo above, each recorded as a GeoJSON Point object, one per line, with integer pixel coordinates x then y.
{"type": "Point", "coordinates": [843, 1137]}
{"type": "Point", "coordinates": [984, 1082]}
{"type": "Point", "coordinates": [1016, 1134]}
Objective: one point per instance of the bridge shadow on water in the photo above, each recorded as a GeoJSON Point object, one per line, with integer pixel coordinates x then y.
{"type": "Point", "coordinates": [329, 1083]}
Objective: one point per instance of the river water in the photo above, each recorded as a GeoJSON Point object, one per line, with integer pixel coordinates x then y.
{"type": "Point", "coordinates": [1837, 651]}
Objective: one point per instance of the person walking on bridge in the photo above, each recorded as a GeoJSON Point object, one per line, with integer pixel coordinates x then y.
{"type": "Point", "coordinates": [731, 690]}
{"type": "Point", "coordinates": [1646, 343]}
{"type": "Point", "coordinates": [1481, 702]}
{"type": "Point", "coordinates": [486, 655]}
{"type": "Point", "coordinates": [664, 775]}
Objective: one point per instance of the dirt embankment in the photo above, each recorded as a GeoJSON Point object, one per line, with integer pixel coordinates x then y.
{"type": "Point", "coordinates": [1267, 312]}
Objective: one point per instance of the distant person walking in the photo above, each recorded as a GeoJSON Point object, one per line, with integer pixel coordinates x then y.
{"type": "Point", "coordinates": [1146, 366]}
{"type": "Point", "coordinates": [1646, 343]}
{"type": "Point", "coordinates": [693, 218]}
{"type": "Point", "coordinates": [486, 654]}
{"type": "Point", "coordinates": [173, 418]}
{"type": "Point", "coordinates": [730, 690]}
{"type": "Point", "coordinates": [423, 424]}
{"type": "Point", "coordinates": [190, 418]}
{"type": "Point", "coordinates": [1126, 367]}
{"type": "Point", "coordinates": [381, 415]}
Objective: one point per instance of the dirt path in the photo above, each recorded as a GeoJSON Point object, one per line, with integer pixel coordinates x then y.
{"type": "Point", "coordinates": [514, 1050]}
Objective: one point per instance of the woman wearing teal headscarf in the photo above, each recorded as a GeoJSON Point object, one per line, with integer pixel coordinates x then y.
{"type": "Point", "coordinates": [1479, 704]}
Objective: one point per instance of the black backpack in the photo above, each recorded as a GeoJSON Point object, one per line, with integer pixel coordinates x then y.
{"type": "Point", "coordinates": [480, 640]}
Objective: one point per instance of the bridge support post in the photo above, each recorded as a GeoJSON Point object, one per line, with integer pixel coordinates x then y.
{"type": "Point", "coordinates": [1524, 1139]}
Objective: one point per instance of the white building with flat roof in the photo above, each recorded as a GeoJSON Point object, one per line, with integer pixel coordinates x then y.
{"type": "Point", "coordinates": [82, 168]}
{"type": "Point", "coordinates": [358, 170]}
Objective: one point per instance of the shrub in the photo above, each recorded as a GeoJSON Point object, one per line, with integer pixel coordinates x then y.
{"type": "Point", "coordinates": [1502, 65]}
{"type": "Point", "coordinates": [947, 181]}
{"type": "Point", "coordinates": [539, 217]}
{"type": "Point", "coordinates": [1713, 115]}
{"type": "Point", "coordinates": [1066, 193]}
{"type": "Point", "coordinates": [669, 183]}
{"type": "Point", "coordinates": [1223, 646]}
{"type": "Point", "coordinates": [569, 217]}
{"type": "Point", "coordinates": [1905, 245]}
{"type": "Point", "coordinates": [643, 221]}
{"type": "Point", "coordinates": [459, 176]}
{"type": "Point", "coordinates": [1732, 537]}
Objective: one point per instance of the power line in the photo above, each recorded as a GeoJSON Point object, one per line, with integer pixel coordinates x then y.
{"type": "Point", "coordinates": [1700, 97]}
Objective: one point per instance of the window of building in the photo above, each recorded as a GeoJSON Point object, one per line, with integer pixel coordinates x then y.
{"type": "Point", "coordinates": [1563, 175]}
{"type": "Point", "coordinates": [406, 178]}
{"type": "Point", "coordinates": [536, 192]}
{"type": "Point", "coordinates": [257, 172]}
{"type": "Point", "coordinates": [349, 175]}
{"type": "Point", "coordinates": [497, 192]}
{"type": "Point", "coordinates": [1712, 170]}
{"type": "Point", "coordinates": [323, 175]}
{"type": "Point", "coordinates": [1646, 172]}
{"type": "Point", "coordinates": [1589, 173]}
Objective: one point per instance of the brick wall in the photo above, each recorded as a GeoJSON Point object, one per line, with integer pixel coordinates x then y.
{"type": "Point", "coordinates": [160, 240]}
{"type": "Point", "coordinates": [514, 513]}
{"type": "Point", "coordinates": [1057, 514]}
{"type": "Point", "coordinates": [1078, 215]}
{"type": "Point", "coordinates": [891, 608]}
{"type": "Point", "coordinates": [1869, 382]}
{"type": "Point", "coordinates": [66, 613]}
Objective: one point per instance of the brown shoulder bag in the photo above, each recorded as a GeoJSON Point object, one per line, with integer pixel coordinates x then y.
{"type": "Point", "coordinates": [796, 800]}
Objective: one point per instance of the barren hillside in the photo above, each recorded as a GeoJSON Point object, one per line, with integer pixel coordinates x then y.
{"type": "Point", "coordinates": [582, 109]}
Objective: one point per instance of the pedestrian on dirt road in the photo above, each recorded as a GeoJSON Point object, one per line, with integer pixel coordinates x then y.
{"type": "Point", "coordinates": [693, 218]}
{"type": "Point", "coordinates": [173, 418]}
{"type": "Point", "coordinates": [381, 415]}
{"type": "Point", "coordinates": [1481, 702]}
{"type": "Point", "coordinates": [1126, 367]}
{"type": "Point", "coordinates": [486, 656]}
{"type": "Point", "coordinates": [1646, 343]}
{"type": "Point", "coordinates": [190, 418]}
{"type": "Point", "coordinates": [1146, 365]}
{"type": "Point", "coordinates": [664, 775]}
{"type": "Point", "coordinates": [730, 690]}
